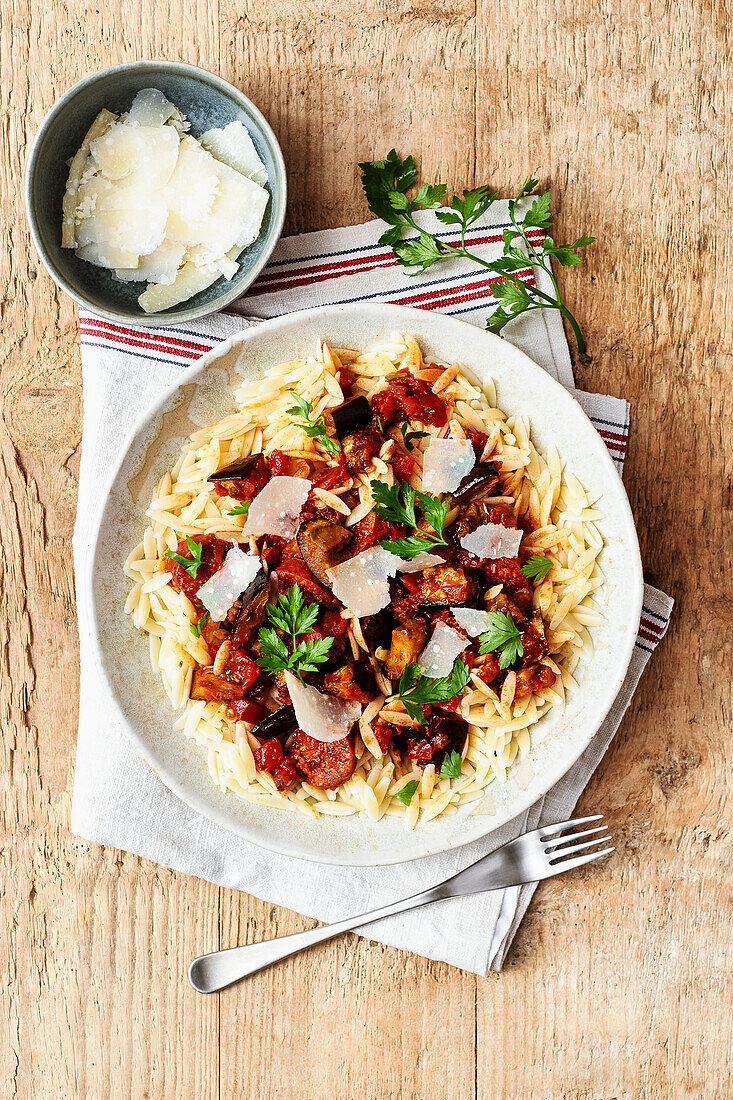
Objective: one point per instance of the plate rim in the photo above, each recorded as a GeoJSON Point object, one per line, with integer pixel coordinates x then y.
{"type": "Point", "coordinates": [158, 766]}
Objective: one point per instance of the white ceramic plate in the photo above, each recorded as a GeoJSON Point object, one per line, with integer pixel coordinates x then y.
{"type": "Point", "coordinates": [202, 398]}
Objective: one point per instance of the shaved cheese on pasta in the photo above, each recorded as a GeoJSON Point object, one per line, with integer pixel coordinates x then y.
{"type": "Point", "coordinates": [422, 561]}
{"type": "Point", "coordinates": [445, 464]}
{"type": "Point", "coordinates": [322, 717]}
{"type": "Point", "coordinates": [275, 509]}
{"type": "Point", "coordinates": [361, 582]}
{"type": "Point", "coordinates": [491, 540]}
{"type": "Point", "coordinates": [228, 583]}
{"type": "Point", "coordinates": [470, 619]}
{"type": "Point", "coordinates": [439, 655]}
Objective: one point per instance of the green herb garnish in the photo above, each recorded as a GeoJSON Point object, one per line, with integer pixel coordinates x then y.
{"type": "Point", "coordinates": [416, 691]}
{"type": "Point", "coordinates": [503, 635]}
{"type": "Point", "coordinates": [380, 424]}
{"type": "Point", "coordinates": [405, 794]}
{"type": "Point", "coordinates": [396, 504]}
{"type": "Point", "coordinates": [409, 437]}
{"type": "Point", "coordinates": [240, 509]}
{"type": "Point", "coordinates": [194, 563]}
{"type": "Point", "coordinates": [314, 429]}
{"type": "Point", "coordinates": [200, 622]}
{"type": "Point", "coordinates": [386, 183]}
{"type": "Point", "coordinates": [293, 616]}
{"type": "Point", "coordinates": [537, 567]}
{"type": "Point", "coordinates": [452, 765]}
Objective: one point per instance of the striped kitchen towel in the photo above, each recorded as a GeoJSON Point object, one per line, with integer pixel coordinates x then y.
{"type": "Point", "coordinates": [117, 799]}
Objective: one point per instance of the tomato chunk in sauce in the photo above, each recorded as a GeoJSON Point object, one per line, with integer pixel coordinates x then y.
{"type": "Point", "coordinates": [212, 559]}
{"type": "Point", "coordinates": [410, 398]}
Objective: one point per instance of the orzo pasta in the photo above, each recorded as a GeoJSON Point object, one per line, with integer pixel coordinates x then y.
{"type": "Point", "coordinates": [418, 635]}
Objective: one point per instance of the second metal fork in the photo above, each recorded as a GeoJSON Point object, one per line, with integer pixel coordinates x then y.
{"type": "Point", "coordinates": [528, 858]}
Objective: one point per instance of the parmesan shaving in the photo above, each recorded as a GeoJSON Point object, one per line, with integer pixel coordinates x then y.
{"type": "Point", "coordinates": [322, 717]}
{"type": "Point", "coordinates": [445, 464]}
{"type": "Point", "coordinates": [224, 587]}
{"type": "Point", "coordinates": [492, 540]}
{"type": "Point", "coordinates": [276, 508]}
{"type": "Point", "coordinates": [439, 655]}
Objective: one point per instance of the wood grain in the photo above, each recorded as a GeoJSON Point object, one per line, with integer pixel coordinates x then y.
{"type": "Point", "coordinates": [619, 982]}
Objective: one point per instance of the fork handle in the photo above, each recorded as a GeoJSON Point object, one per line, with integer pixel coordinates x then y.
{"type": "Point", "coordinates": [214, 971]}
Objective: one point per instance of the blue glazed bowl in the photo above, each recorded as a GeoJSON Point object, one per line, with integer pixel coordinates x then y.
{"type": "Point", "coordinates": [207, 101]}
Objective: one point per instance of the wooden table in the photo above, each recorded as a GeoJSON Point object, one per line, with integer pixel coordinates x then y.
{"type": "Point", "coordinates": [618, 983]}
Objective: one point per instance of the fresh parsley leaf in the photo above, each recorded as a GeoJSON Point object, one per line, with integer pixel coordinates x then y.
{"type": "Point", "coordinates": [503, 635]}
{"type": "Point", "coordinates": [194, 563]}
{"type": "Point", "coordinates": [314, 429]}
{"type": "Point", "coordinates": [405, 794]}
{"type": "Point", "coordinates": [396, 504]}
{"type": "Point", "coordinates": [240, 509]}
{"type": "Point", "coordinates": [386, 185]}
{"type": "Point", "coordinates": [199, 624]}
{"type": "Point", "coordinates": [293, 616]}
{"type": "Point", "coordinates": [452, 765]}
{"type": "Point", "coordinates": [417, 691]}
{"type": "Point", "coordinates": [409, 437]}
{"type": "Point", "coordinates": [421, 253]}
{"type": "Point", "coordinates": [537, 567]}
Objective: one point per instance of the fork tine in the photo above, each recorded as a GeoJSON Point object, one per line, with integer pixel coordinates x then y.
{"type": "Point", "coordinates": [557, 859]}
{"type": "Point", "coordinates": [573, 836]}
{"type": "Point", "coordinates": [580, 860]}
{"type": "Point", "coordinates": [552, 830]}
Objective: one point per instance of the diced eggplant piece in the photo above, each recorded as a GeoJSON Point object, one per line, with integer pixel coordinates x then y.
{"type": "Point", "coordinates": [323, 545]}
{"type": "Point", "coordinates": [209, 685]}
{"type": "Point", "coordinates": [408, 641]}
{"type": "Point", "coordinates": [359, 448]}
{"type": "Point", "coordinates": [253, 602]}
{"type": "Point", "coordinates": [443, 586]}
{"type": "Point", "coordinates": [352, 416]}
{"type": "Point", "coordinates": [482, 478]}
{"type": "Point", "coordinates": [240, 468]}
{"type": "Point", "coordinates": [351, 681]}
{"type": "Point", "coordinates": [377, 629]}
{"type": "Point", "coordinates": [280, 723]}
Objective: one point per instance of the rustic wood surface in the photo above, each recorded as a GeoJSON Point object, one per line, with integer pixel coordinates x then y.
{"type": "Point", "coordinates": [618, 984]}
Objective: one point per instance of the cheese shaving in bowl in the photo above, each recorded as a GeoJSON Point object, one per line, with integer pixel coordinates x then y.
{"type": "Point", "coordinates": [322, 717]}
{"type": "Point", "coordinates": [225, 587]}
{"type": "Point", "coordinates": [491, 540]}
{"type": "Point", "coordinates": [439, 655]}
{"type": "Point", "coordinates": [275, 509]}
{"type": "Point", "coordinates": [445, 464]}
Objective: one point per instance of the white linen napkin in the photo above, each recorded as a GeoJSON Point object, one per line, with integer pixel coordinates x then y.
{"type": "Point", "coordinates": [117, 799]}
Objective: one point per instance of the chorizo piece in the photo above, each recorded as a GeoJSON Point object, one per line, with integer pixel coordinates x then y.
{"type": "Point", "coordinates": [323, 765]}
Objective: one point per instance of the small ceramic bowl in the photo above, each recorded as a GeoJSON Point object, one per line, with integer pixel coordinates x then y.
{"type": "Point", "coordinates": [207, 101]}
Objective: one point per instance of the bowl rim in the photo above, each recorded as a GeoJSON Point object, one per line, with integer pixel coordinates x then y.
{"type": "Point", "coordinates": [278, 199]}
{"type": "Point", "coordinates": [363, 858]}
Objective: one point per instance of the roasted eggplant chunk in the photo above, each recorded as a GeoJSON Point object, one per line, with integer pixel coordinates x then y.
{"type": "Point", "coordinates": [352, 416]}
{"type": "Point", "coordinates": [323, 545]}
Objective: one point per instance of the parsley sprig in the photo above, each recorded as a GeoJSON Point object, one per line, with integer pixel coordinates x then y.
{"type": "Point", "coordinates": [404, 795]}
{"type": "Point", "coordinates": [537, 567]}
{"type": "Point", "coordinates": [314, 429]}
{"type": "Point", "coordinates": [503, 635]}
{"type": "Point", "coordinates": [409, 437]}
{"type": "Point", "coordinates": [386, 183]}
{"type": "Point", "coordinates": [200, 623]}
{"type": "Point", "coordinates": [452, 765]}
{"type": "Point", "coordinates": [194, 563]}
{"type": "Point", "coordinates": [416, 691]}
{"type": "Point", "coordinates": [396, 504]}
{"type": "Point", "coordinates": [294, 617]}
{"type": "Point", "coordinates": [240, 509]}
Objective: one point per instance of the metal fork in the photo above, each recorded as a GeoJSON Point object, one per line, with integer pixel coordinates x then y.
{"type": "Point", "coordinates": [528, 858]}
